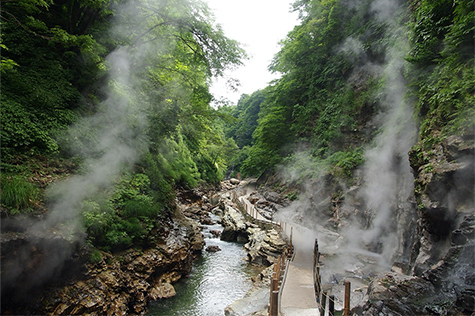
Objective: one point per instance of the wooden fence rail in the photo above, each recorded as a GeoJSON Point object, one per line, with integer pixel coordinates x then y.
{"type": "Point", "coordinates": [321, 295]}
{"type": "Point", "coordinates": [278, 279]}
{"type": "Point", "coordinates": [281, 264]}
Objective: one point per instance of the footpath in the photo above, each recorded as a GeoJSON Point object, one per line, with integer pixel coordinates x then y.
{"type": "Point", "coordinates": [298, 294]}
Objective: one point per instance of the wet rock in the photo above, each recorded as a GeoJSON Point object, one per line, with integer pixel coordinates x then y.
{"type": "Point", "coordinates": [234, 224]}
{"type": "Point", "coordinates": [213, 249]}
{"type": "Point", "coordinates": [207, 221]}
{"type": "Point", "coordinates": [165, 290]}
{"type": "Point", "coordinates": [215, 233]}
{"type": "Point", "coordinates": [193, 235]}
{"type": "Point", "coordinates": [264, 246]}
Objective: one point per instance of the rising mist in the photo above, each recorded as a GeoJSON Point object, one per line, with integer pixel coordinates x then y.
{"type": "Point", "coordinates": [380, 208]}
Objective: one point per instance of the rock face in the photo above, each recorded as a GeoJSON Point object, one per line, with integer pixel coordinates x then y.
{"type": "Point", "coordinates": [234, 223]}
{"type": "Point", "coordinates": [124, 284]}
{"type": "Point", "coordinates": [445, 188]}
{"type": "Point", "coordinates": [398, 295]}
{"type": "Point", "coordinates": [30, 262]}
{"type": "Point", "coordinates": [264, 246]}
{"type": "Point", "coordinates": [445, 184]}
{"type": "Point", "coordinates": [442, 280]}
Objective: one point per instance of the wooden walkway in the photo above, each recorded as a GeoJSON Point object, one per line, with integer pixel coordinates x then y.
{"type": "Point", "coordinates": [297, 297]}
{"type": "Point", "coordinates": [298, 294]}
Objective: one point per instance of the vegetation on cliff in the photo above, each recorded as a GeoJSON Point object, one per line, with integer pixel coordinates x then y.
{"type": "Point", "coordinates": [110, 100]}
{"type": "Point", "coordinates": [332, 81]}
{"type": "Point", "coordinates": [58, 81]}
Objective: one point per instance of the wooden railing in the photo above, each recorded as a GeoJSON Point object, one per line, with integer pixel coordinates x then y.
{"type": "Point", "coordinates": [278, 278]}
{"type": "Point", "coordinates": [322, 295]}
{"type": "Point", "coordinates": [280, 265]}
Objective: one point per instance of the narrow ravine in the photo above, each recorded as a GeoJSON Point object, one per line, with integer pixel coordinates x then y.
{"type": "Point", "coordinates": [216, 280]}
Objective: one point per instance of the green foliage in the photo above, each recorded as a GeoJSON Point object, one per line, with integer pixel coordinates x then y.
{"type": "Point", "coordinates": [95, 257]}
{"type": "Point", "coordinates": [18, 194]}
{"type": "Point", "coordinates": [343, 163]}
{"type": "Point", "coordinates": [237, 160]}
{"type": "Point", "coordinates": [259, 160]}
{"type": "Point", "coordinates": [53, 68]}
{"type": "Point", "coordinates": [126, 218]}
{"type": "Point", "coordinates": [309, 165]}
{"type": "Point", "coordinates": [37, 96]}
{"type": "Point", "coordinates": [330, 85]}
{"type": "Point", "coordinates": [324, 93]}
{"type": "Point", "coordinates": [442, 54]}
{"type": "Point", "coordinates": [246, 112]}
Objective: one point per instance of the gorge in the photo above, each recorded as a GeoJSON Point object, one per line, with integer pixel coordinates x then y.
{"type": "Point", "coordinates": [114, 163]}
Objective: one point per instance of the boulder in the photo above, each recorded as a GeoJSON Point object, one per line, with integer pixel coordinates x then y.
{"type": "Point", "coordinates": [235, 228]}
{"type": "Point", "coordinates": [206, 221]}
{"type": "Point", "coordinates": [165, 290]}
{"type": "Point", "coordinates": [213, 249]}
{"type": "Point", "coordinates": [234, 181]}
{"type": "Point", "coordinates": [264, 246]}
{"type": "Point", "coordinates": [397, 294]}
{"type": "Point", "coordinates": [215, 233]}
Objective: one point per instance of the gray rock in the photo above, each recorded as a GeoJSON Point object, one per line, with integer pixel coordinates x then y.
{"type": "Point", "coordinates": [234, 223]}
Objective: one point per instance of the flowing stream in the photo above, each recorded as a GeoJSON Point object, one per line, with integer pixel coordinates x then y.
{"type": "Point", "coordinates": [216, 280]}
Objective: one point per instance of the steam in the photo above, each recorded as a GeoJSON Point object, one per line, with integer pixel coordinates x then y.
{"type": "Point", "coordinates": [387, 179]}
{"type": "Point", "coordinates": [382, 219]}
{"type": "Point", "coordinates": [109, 142]}
{"type": "Point", "coordinates": [118, 128]}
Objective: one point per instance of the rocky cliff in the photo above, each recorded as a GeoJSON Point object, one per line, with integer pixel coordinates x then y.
{"type": "Point", "coordinates": [124, 284]}
{"type": "Point", "coordinates": [119, 284]}
{"type": "Point", "coordinates": [434, 262]}
{"type": "Point", "coordinates": [441, 278]}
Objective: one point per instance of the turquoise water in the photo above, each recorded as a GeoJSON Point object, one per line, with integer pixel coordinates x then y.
{"type": "Point", "coordinates": [216, 281]}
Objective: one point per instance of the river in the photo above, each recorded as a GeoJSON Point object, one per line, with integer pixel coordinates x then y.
{"type": "Point", "coordinates": [216, 280]}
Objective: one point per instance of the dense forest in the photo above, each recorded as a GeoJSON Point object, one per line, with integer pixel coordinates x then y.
{"type": "Point", "coordinates": [106, 109]}
{"type": "Point", "coordinates": [333, 81]}
{"type": "Point", "coordinates": [112, 88]}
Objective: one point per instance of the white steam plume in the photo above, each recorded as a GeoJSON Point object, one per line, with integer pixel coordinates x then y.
{"type": "Point", "coordinates": [112, 140]}
{"type": "Point", "coordinates": [386, 190]}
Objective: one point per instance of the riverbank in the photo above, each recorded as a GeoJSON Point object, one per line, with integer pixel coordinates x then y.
{"type": "Point", "coordinates": [124, 283]}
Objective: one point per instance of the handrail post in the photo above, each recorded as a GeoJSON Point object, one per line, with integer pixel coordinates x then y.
{"type": "Point", "coordinates": [331, 306]}
{"type": "Point", "coordinates": [324, 303]}
{"type": "Point", "coordinates": [273, 299]}
{"type": "Point", "coordinates": [347, 298]}
{"type": "Point", "coordinates": [316, 271]}
{"type": "Point", "coordinates": [290, 242]}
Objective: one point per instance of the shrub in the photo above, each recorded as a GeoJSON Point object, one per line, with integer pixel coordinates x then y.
{"type": "Point", "coordinates": [18, 195]}
{"type": "Point", "coordinates": [140, 206]}
{"type": "Point", "coordinates": [95, 257]}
